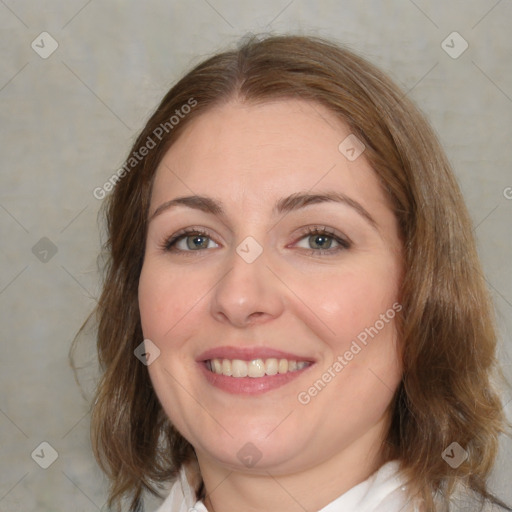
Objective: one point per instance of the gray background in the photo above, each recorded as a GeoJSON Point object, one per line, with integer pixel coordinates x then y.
{"type": "Point", "coordinates": [68, 121]}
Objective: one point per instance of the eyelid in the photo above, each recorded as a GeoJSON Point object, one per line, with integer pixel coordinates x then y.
{"type": "Point", "coordinates": [344, 242]}
{"type": "Point", "coordinates": [169, 242]}
{"type": "Point", "coordinates": [341, 238]}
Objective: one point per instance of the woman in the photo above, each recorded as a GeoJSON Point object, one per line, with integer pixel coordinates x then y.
{"type": "Point", "coordinates": [289, 241]}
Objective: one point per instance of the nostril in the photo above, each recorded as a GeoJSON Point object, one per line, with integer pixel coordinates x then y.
{"type": "Point", "coordinates": [255, 316]}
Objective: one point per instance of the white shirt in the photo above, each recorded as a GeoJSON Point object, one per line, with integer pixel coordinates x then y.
{"type": "Point", "coordinates": [382, 491]}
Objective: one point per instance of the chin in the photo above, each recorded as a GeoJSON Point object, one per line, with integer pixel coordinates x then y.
{"type": "Point", "coordinates": [253, 450]}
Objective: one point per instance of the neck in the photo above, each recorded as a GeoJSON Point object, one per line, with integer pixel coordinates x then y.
{"type": "Point", "coordinates": [228, 489]}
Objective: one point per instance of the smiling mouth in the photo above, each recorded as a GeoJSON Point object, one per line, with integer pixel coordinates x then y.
{"type": "Point", "coordinates": [255, 368]}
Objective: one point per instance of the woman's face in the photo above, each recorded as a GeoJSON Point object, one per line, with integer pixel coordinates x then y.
{"type": "Point", "coordinates": [272, 252]}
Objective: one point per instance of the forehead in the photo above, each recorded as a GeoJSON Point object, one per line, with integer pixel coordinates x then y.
{"type": "Point", "coordinates": [250, 151]}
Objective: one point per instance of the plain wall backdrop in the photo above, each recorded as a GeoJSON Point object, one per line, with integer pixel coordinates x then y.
{"type": "Point", "coordinates": [68, 120]}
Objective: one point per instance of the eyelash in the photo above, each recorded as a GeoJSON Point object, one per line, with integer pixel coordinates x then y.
{"type": "Point", "coordinates": [169, 243]}
{"type": "Point", "coordinates": [343, 243]}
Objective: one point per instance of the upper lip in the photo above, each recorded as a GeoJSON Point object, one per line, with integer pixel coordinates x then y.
{"type": "Point", "coordinates": [248, 354]}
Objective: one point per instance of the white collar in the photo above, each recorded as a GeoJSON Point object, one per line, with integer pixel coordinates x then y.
{"type": "Point", "coordinates": [383, 490]}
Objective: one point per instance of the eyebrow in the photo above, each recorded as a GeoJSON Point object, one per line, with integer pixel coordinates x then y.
{"type": "Point", "coordinates": [283, 206]}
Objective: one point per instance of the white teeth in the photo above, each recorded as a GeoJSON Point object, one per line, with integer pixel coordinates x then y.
{"type": "Point", "coordinates": [239, 368]}
{"type": "Point", "coordinates": [217, 366]}
{"type": "Point", "coordinates": [271, 366]}
{"type": "Point", "coordinates": [226, 368]}
{"type": "Point", "coordinates": [255, 368]}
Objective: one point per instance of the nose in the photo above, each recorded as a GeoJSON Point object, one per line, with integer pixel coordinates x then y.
{"type": "Point", "coordinates": [247, 294]}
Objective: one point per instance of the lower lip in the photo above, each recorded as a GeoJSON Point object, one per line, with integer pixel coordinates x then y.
{"type": "Point", "coordinates": [250, 385]}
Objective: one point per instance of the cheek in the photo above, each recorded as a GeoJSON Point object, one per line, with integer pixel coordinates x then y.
{"type": "Point", "coordinates": [169, 305]}
{"type": "Point", "coordinates": [165, 298]}
{"type": "Point", "coordinates": [346, 303]}
{"type": "Point", "coordinates": [153, 301]}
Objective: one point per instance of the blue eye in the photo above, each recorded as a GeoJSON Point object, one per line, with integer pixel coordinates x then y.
{"type": "Point", "coordinates": [317, 240]}
{"type": "Point", "coordinates": [322, 241]}
{"type": "Point", "coordinates": [189, 241]}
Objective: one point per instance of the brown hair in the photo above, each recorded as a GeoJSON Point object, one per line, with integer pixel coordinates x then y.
{"type": "Point", "coordinates": [447, 332]}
